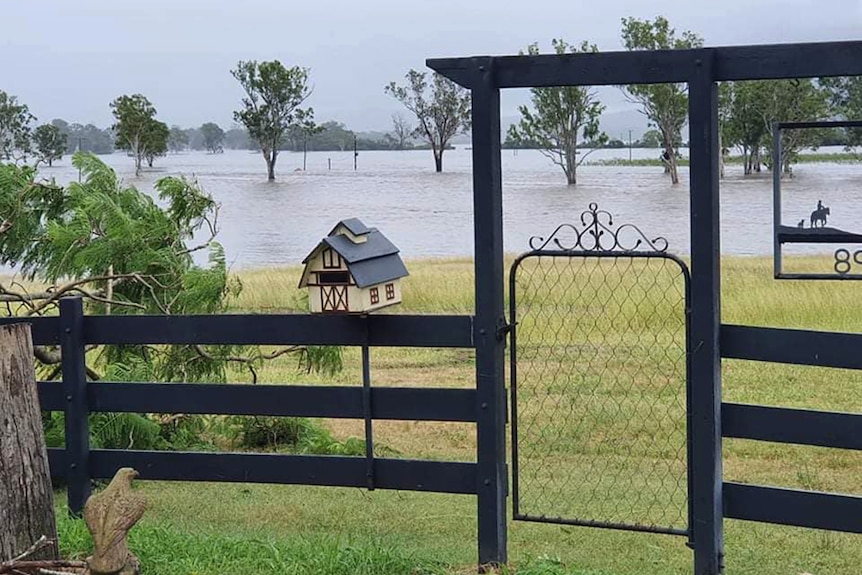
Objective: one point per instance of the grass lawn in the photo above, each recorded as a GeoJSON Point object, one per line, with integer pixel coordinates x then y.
{"type": "Point", "coordinates": [210, 528]}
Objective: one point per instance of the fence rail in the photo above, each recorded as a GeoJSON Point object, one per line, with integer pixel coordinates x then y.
{"type": "Point", "coordinates": [78, 398]}
{"type": "Point", "coordinates": [403, 403]}
{"type": "Point", "coordinates": [328, 470]}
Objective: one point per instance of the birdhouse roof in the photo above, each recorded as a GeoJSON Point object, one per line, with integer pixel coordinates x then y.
{"type": "Point", "coordinates": [355, 226]}
{"type": "Point", "coordinates": [370, 262]}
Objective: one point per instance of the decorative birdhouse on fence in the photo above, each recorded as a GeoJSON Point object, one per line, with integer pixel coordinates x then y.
{"type": "Point", "coordinates": [355, 269]}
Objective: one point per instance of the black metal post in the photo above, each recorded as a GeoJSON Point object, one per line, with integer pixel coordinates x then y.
{"type": "Point", "coordinates": [704, 418]}
{"type": "Point", "coordinates": [776, 199]}
{"type": "Point", "coordinates": [355, 154]}
{"type": "Point", "coordinates": [490, 343]}
{"type": "Point", "coordinates": [75, 390]}
{"type": "Point", "coordinates": [366, 411]}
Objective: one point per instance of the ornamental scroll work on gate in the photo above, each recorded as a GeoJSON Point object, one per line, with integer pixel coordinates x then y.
{"type": "Point", "coordinates": [597, 233]}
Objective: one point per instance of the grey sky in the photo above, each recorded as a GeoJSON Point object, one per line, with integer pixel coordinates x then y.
{"type": "Point", "coordinates": [70, 58]}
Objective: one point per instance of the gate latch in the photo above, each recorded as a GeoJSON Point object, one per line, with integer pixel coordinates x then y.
{"type": "Point", "coordinates": [503, 328]}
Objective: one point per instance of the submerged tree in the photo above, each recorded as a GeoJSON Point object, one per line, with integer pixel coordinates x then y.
{"type": "Point", "coordinates": [442, 114]}
{"type": "Point", "coordinates": [156, 138]}
{"type": "Point", "coordinates": [50, 143]}
{"type": "Point", "coordinates": [273, 96]}
{"type": "Point", "coordinates": [213, 137]}
{"type": "Point", "coordinates": [137, 130]}
{"type": "Point", "coordinates": [402, 131]}
{"type": "Point", "coordinates": [560, 116]}
{"type": "Point", "coordinates": [664, 105]}
{"type": "Point", "coordinates": [15, 119]}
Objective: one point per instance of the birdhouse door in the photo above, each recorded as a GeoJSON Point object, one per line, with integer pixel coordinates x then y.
{"type": "Point", "coordinates": [333, 298]}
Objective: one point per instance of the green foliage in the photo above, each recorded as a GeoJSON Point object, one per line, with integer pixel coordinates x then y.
{"type": "Point", "coordinates": [273, 96]}
{"type": "Point", "coordinates": [664, 105]}
{"type": "Point", "coordinates": [50, 143]}
{"type": "Point", "coordinates": [442, 114]}
{"type": "Point", "coordinates": [296, 434]}
{"type": "Point", "coordinates": [753, 107]}
{"type": "Point", "coordinates": [137, 129]}
{"type": "Point", "coordinates": [560, 116]}
{"type": "Point", "coordinates": [845, 95]}
{"type": "Point", "coordinates": [15, 119]}
{"type": "Point", "coordinates": [213, 137]}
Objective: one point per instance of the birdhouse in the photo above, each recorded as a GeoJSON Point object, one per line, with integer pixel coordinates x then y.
{"type": "Point", "coordinates": [354, 269]}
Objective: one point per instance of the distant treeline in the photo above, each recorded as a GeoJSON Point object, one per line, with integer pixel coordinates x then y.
{"type": "Point", "coordinates": [332, 136]}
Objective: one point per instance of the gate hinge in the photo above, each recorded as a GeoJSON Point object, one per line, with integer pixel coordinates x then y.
{"type": "Point", "coordinates": [503, 328]}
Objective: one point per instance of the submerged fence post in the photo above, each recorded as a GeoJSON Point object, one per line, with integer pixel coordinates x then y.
{"type": "Point", "coordinates": [705, 478]}
{"type": "Point", "coordinates": [75, 391]}
{"type": "Point", "coordinates": [490, 347]}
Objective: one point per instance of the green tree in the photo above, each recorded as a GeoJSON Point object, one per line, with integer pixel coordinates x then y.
{"type": "Point", "coordinates": [273, 96]}
{"type": "Point", "coordinates": [156, 137]}
{"type": "Point", "coordinates": [15, 119]}
{"type": "Point", "coordinates": [125, 252]}
{"type": "Point", "coordinates": [213, 137]}
{"type": "Point", "coordinates": [442, 114]}
{"type": "Point", "coordinates": [794, 100]}
{"type": "Point", "coordinates": [664, 105]}
{"type": "Point", "coordinates": [560, 116]}
{"type": "Point", "coordinates": [134, 126]}
{"type": "Point", "coordinates": [50, 143]}
{"type": "Point", "coordinates": [845, 95]}
{"type": "Point", "coordinates": [178, 139]}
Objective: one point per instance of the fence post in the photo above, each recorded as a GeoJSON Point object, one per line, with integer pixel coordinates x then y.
{"type": "Point", "coordinates": [490, 345]}
{"type": "Point", "coordinates": [705, 481]}
{"type": "Point", "coordinates": [75, 390]}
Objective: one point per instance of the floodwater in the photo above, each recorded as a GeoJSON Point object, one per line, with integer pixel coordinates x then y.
{"type": "Point", "coordinates": [430, 215]}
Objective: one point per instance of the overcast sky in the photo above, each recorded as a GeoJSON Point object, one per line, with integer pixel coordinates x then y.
{"type": "Point", "coordinates": [70, 58]}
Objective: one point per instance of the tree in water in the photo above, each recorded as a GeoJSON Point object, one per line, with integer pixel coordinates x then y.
{"type": "Point", "coordinates": [137, 129]}
{"type": "Point", "coordinates": [213, 137]}
{"type": "Point", "coordinates": [560, 116]}
{"type": "Point", "coordinates": [273, 96]}
{"type": "Point", "coordinates": [50, 143]}
{"type": "Point", "coordinates": [664, 105]}
{"type": "Point", "coordinates": [442, 114]}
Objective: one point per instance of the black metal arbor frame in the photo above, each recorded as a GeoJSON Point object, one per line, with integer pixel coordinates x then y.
{"type": "Point", "coordinates": [711, 499]}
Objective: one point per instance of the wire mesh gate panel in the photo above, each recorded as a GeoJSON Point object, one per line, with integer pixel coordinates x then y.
{"type": "Point", "coordinates": [599, 379]}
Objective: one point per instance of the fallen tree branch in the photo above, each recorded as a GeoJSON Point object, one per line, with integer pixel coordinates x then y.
{"type": "Point", "coordinates": [25, 566]}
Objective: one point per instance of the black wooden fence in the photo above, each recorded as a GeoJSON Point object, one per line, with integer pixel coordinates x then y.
{"type": "Point", "coordinates": [710, 499]}
{"type": "Point", "coordinates": [76, 397]}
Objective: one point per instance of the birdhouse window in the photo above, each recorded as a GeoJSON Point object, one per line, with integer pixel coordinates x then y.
{"type": "Point", "coordinates": [331, 260]}
{"type": "Point", "coordinates": [390, 291]}
{"type": "Point", "coordinates": [333, 278]}
{"type": "Point", "coordinates": [375, 295]}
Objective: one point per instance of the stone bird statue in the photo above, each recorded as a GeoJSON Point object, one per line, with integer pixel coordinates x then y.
{"type": "Point", "coordinates": [109, 515]}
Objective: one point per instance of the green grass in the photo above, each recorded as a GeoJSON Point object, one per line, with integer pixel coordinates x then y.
{"type": "Point", "coordinates": [218, 528]}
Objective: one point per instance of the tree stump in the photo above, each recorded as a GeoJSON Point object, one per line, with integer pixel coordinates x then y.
{"type": "Point", "coordinates": [26, 499]}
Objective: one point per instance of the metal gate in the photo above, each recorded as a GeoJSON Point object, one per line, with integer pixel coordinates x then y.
{"type": "Point", "coordinates": [599, 379]}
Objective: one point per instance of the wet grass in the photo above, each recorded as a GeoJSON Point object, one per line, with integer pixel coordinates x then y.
{"type": "Point", "coordinates": [219, 528]}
